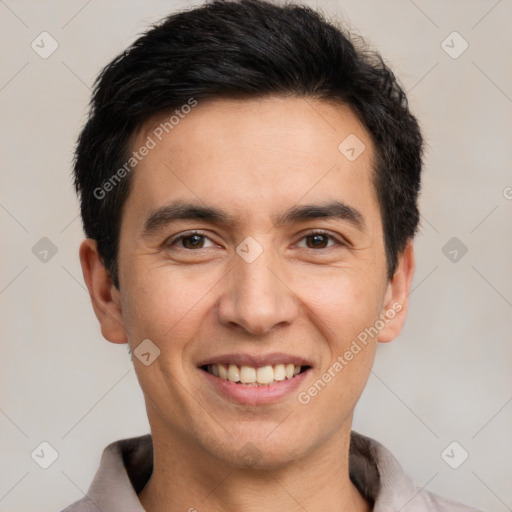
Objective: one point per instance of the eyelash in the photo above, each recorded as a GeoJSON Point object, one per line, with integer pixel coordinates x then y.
{"type": "Point", "coordinates": [174, 241]}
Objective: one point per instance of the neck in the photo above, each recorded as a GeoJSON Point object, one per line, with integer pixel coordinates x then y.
{"type": "Point", "coordinates": [184, 478]}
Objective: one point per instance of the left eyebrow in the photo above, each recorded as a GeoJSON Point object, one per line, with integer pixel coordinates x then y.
{"type": "Point", "coordinates": [182, 210]}
{"type": "Point", "coordinates": [332, 210]}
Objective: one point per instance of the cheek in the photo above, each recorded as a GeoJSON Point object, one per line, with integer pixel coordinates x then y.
{"type": "Point", "coordinates": [343, 307]}
{"type": "Point", "coordinates": [165, 304]}
{"type": "Point", "coordinates": [344, 301]}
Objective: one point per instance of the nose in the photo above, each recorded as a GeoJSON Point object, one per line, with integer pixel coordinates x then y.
{"type": "Point", "coordinates": [256, 297]}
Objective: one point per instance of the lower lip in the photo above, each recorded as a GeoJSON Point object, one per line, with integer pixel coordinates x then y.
{"type": "Point", "coordinates": [255, 395]}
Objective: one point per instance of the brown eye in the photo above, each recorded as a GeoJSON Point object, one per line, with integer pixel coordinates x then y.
{"type": "Point", "coordinates": [319, 240]}
{"type": "Point", "coordinates": [191, 241]}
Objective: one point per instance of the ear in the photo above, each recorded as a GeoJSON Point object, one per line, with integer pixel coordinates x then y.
{"type": "Point", "coordinates": [105, 297]}
{"type": "Point", "coordinates": [396, 299]}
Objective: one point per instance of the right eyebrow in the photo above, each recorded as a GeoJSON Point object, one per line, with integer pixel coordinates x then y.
{"type": "Point", "coordinates": [180, 210]}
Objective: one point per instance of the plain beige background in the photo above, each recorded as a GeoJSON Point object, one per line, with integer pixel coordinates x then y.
{"type": "Point", "coordinates": [447, 378]}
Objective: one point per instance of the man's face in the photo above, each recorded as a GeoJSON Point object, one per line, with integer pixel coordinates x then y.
{"type": "Point", "coordinates": [253, 291]}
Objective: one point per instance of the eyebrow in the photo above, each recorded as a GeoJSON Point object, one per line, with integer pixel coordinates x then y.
{"type": "Point", "coordinates": [182, 210]}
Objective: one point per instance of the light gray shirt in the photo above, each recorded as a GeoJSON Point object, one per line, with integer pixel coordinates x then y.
{"type": "Point", "coordinates": [126, 465]}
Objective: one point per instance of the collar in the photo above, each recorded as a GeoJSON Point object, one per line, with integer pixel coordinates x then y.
{"type": "Point", "coordinates": [126, 465]}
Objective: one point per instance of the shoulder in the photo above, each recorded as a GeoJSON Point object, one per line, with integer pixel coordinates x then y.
{"type": "Point", "coordinates": [381, 479]}
{"type": "Point", "coordinates": [124, 469]}
{"type": "Point", "coordinates": [436, 503]}
{"type": "Point", "coordinates": [83, 505]}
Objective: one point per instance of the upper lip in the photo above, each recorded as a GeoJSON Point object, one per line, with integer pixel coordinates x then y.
{"type": "Point", "coordinates": [256, 361]}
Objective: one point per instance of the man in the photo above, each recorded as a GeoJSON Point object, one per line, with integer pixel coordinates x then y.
{"type": "Point", "coordinates": [248, 183]}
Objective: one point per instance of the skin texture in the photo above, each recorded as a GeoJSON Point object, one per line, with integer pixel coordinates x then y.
{"type": "Point", "coordinates": [254, 159]}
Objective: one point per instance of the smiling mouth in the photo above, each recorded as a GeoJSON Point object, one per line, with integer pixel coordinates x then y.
{"type": "Point", "coordinates": [251, 376]}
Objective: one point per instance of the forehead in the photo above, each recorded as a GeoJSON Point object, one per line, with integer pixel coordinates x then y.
{"type": "Point", "coordinates": [255, 157]}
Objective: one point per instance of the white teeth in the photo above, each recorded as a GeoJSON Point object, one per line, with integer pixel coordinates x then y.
{"type": "Point", "coordinates": [263, 375]}
{"type": "Point", "coordinates": [288, 370]}
{"type": "Point", "coordinates": [247, 375]}
{"type": "Point", "coordinates": [223, 373]}
{"type": "Point", "coordinates": [233, 373]}
{"type": "Point", "coordinates": [279, 372]}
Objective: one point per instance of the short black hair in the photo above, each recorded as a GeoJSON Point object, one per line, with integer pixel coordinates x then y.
{"type": "Point", "coordinates": [244, 49]}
